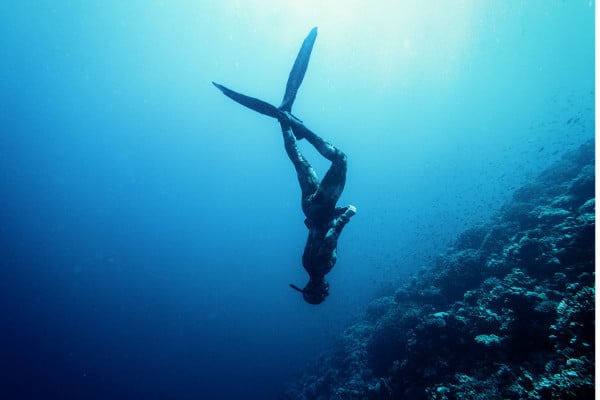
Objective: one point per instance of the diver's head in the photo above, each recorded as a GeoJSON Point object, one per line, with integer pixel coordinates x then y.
{"type": "Point", "coordinates": [314, 292]}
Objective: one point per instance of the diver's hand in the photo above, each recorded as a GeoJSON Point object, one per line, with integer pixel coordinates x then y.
{"type": "Point", "coordinates": [344, 218]}
{"type": "Point", "coordinates": [284, 120]}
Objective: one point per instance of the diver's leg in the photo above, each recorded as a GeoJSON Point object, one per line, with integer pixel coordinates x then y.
{"type": "Point", "coordinates": [326, 149]}
{"type": "Point", "coordinates": [307, 177]}
{"type": "Point", "coordinates": [331, 186]}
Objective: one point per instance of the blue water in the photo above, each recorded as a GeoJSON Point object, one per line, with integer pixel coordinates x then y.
{"type": "Point", "coordinates": [150, 226]}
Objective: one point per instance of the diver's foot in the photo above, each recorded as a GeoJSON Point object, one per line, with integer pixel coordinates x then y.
{"type": "Point", "coordinates": [284, 121]}
{"type": "Point", "coordinates": [294, 121]}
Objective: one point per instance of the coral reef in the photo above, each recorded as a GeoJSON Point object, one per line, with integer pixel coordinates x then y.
{"type": "Point", "coordinates": [507, 312]}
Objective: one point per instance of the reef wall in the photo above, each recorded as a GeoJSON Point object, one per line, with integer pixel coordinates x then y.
{"type": "Point", "coordinates": [507, 312]}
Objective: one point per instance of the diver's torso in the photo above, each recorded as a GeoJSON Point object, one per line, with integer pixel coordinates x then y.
{"type": "Point", "coordinates": [318, 259]}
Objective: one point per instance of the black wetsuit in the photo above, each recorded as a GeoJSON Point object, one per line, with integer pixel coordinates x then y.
{"type": "Point", "coordinates": [324, 220]}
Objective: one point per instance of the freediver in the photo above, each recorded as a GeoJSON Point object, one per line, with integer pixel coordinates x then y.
{"type": "Point", "coordinates": [324, 220]}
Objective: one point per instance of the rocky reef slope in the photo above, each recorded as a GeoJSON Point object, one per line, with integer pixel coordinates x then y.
{"type": "Point", "coordinates": [507, 312]}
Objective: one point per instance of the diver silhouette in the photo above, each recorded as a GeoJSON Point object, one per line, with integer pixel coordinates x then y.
{"type": "Point", "coordinates": [324, 220]}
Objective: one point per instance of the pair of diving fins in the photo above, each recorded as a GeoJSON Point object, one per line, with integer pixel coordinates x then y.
{"type": "Point", "coordinates": [291, 89]}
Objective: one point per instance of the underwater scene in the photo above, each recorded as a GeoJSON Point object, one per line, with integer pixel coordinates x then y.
{"type": "Point", "coordinates": [297, 200]}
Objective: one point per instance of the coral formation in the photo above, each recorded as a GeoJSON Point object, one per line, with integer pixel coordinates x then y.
{"type": "Point", "coordinates": [507, 312]}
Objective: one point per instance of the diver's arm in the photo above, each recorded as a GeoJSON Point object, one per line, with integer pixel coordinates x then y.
{"type": "Point", "coordinates": [331, 237]}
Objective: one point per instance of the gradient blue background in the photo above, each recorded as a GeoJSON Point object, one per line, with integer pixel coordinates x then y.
{"type": "Point", "coordinates": [150, 226]}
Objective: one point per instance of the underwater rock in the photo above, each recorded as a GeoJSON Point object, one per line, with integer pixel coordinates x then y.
{"type": "Point", "coordinates": [506, 312]}
{"type": "Point", "coordinates": [488, 340]}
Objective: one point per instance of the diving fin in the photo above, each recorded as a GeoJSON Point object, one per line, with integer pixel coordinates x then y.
{"type": "Point", "coordinates": [291, 89]}
{"type": "Point", "coordinates": [253, 103]}
{"type": "Point", "coordinates": [298, 71]}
